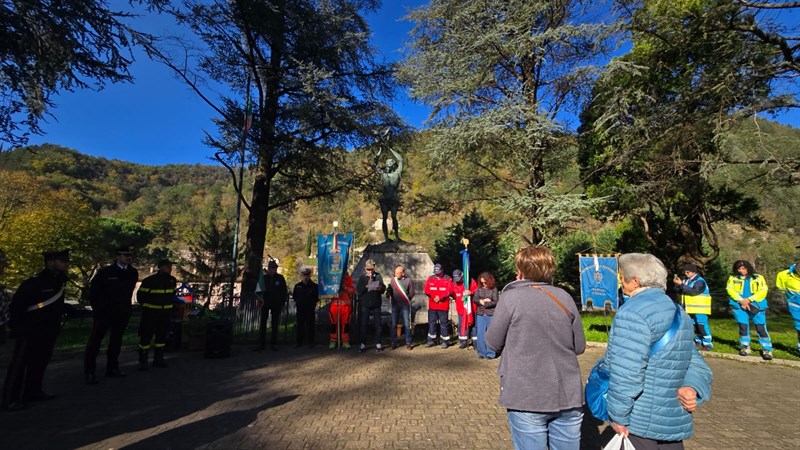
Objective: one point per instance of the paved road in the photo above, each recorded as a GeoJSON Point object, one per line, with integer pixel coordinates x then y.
{"type": "Point", "coordinates": [316, 398]}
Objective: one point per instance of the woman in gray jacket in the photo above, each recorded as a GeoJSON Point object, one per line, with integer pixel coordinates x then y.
{"type": "Point", "coordinates": [538, 330]}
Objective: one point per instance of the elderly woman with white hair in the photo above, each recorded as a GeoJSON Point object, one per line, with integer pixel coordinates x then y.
{"type": "Point", "coordinates": [652, 392]}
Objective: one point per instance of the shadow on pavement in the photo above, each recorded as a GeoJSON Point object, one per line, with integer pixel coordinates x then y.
{"type": "Point", "coordinates": [212, 428]}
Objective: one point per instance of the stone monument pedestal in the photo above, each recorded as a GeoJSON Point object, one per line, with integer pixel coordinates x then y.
{"type": "Point", "coordinates": [418, 265]}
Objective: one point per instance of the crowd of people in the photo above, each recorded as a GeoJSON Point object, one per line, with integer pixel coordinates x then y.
{"type": "Point", "coordinates": [34, 314]}
{"type": "Point", "coordinates": [533, 325]}
{"type": "Point", "coordinates": [747, 298]}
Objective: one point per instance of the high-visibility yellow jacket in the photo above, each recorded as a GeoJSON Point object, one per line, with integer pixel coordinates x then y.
{"type": "Point", "coordinates": [758, 288]}
{"type": "Point", "coordinates": [789, 282]}
{"type": "Point", "coordinates": [694, 300]}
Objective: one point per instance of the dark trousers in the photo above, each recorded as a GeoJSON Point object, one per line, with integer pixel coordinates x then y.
{"type": "Point", "coordinates": [641, 443]}
{"type": "Point", "coordinates": [441, 317]}
{"type": "Point", "coordinates": [364, 317]}
{"type": "Point", "coordinates": [154, 322]}
{"type": "Point", "coordinates": [306, 322]}
{"type": "Point", "coordinates": [114, 325]}
{"type": "Point", "coordinates": [26, 370]}
{"type": "Point", "coordinates": [275, 312]}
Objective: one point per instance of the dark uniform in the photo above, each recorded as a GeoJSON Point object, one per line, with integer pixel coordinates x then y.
{"type": "Point", "coordinates": [306, 296]}
{"type": "Point", "coordinates": [156, 295]}
{"type": "Point", "coordinates": [276, 294]}
{"type": "Point", "coordinates": [110, 294]}
{"type": "Point", "coordinates": [36, 310]}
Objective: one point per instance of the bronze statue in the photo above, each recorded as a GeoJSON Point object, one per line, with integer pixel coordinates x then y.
{"type": "Point", "coordinates": [390, 179]}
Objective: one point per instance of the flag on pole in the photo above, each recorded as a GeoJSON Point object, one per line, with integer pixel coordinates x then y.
{"type": "Point", "coordinates": [469, 319]}
{"type": "Point", "coordinates": [261, 287]}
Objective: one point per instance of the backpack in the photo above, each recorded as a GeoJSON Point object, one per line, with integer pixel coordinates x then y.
{"type": "Point", "coordinates": [597, 384]}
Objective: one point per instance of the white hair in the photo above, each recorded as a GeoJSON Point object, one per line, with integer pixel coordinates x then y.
{"type": "Point", "coordinates": [649, 269]}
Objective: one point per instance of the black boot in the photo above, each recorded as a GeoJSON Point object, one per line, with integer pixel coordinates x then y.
{"type": "Point", "coordinates": [143, 360]}
{"type": "Point", "coordinates": [158, 358]}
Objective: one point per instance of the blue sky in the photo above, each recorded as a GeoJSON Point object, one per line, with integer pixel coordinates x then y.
{"type": "Point", "coordinates": [158, 120]}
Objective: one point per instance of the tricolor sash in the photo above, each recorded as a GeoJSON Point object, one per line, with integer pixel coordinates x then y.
{"type": "Point", "coordinates": [399, 287]}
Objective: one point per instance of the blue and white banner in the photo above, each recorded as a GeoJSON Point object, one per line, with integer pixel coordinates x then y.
{"type": "Point", "coordinates": [599, 280]}
{"type": "Point", "coordinates": [333, 252]}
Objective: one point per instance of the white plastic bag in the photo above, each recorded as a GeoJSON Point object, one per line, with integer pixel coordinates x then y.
{"type": "Point", "coordinates": [619, 442]}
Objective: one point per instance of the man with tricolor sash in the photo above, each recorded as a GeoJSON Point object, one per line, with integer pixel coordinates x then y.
{"type": "Point", "coordinates": [788, 281]}
{"type": "Point", "coordinates": [400, 293]}
{"type": "Point", "coordinates": [35, 313]}
{"type": "Point", "coordinates": [696, 299]}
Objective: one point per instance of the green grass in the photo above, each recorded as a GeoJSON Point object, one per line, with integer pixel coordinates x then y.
{"type": "Point", "coordinates": [724, 330]}
{"type": "Point", "coordinates": [75, 333]}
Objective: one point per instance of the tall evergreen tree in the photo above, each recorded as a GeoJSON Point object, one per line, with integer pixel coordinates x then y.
{"type": "Point", "coordinates": [654, 135]}
{"type": "Point", "coordinates": [501, 77]}
{"type": "Point", "coordinates": [317, 91]}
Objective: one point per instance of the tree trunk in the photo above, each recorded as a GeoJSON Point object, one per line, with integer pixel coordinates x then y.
{"type": "Point", "coordinates": [256, 231]}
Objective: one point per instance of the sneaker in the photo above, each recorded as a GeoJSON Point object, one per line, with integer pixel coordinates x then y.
{"type": "Point", "coordinates": [362, 348]}
{"type": "Point", "coordinates": [766, 355]}
{"type": "Point", "coordinates": [332, 346]}
{"type": "Point", "coordinates": [379, 347]}
{"type": "Point", "coordinates": [744, 351]}
{"type": "Point", "coordinates": [708, 348]}
{"type": "Point", "coordinates": [394, 345]}
{"type": "Point", "coordinates": [445, 344]}
{"type": "Point", "coordinates": [409, 346]}
{"type": "Point", "coordinates": [462, 345]}
{"type": "Point", "coordinates": [346, 346]}
{"type": "Point", "coordinates": [429, 344]}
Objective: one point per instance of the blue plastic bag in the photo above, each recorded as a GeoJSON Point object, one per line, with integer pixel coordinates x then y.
{"type": "Point", "coordinates": [597, 390]}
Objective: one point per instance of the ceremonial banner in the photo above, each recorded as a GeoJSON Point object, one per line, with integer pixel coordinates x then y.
{"type": "Point", "coordinates": [332, 258]}
{"type": "Point", "coordinates": [599, 280]}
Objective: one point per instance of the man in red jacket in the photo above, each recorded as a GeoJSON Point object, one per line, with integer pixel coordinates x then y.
{"type": "Point", "coordinates": [465, 318]}
{"type": "Point", "coordinates": [437, 288]}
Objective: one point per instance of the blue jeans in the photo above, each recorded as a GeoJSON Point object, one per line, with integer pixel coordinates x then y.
{"type": "Point", "coordinates": [482, 324]}
{"type": "Point", "coordinates": [398, 312]}
{"type": "Point", "coordinates": [534, 431]}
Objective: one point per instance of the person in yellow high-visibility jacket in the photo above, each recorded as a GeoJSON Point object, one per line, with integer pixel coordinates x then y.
{"type": "Point", "coordinates": [788, 281]}
{"type": "Point", "coordinates": [696, 299]}
{"type": "Point", "coordinates": [748, 293]}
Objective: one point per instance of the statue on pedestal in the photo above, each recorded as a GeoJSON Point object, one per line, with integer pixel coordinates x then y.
{"type": "Point", "coordinates": [390, 173]}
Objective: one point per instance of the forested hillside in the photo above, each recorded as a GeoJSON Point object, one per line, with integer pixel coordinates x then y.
{"type": "Point", "coordinates": [188, 211]}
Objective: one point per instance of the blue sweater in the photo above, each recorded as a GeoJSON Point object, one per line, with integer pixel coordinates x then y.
{"type": "Point", "coordinates": [642, 391]}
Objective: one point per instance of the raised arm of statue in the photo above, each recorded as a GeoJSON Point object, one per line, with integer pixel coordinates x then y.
{"type": "Point", "coordinates": [399, 158]}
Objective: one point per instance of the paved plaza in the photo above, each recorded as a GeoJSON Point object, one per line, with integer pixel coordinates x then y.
{"type": "Point", "coordinates": [316, 398]}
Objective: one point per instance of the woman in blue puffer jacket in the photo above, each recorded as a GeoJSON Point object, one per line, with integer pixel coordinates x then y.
{"type": "Point", "coordinates": [651, 398]}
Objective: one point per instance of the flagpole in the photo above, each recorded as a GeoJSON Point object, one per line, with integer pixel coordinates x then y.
{"type": "Point", "coordinates": [235, 262]}
{"type": "Point", "coordinates": [465, 298]}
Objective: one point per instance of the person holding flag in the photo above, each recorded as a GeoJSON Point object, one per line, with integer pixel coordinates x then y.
{"type": "Point", "coordinates": [485, 300]}
{"type": "Point", "coordinates": [400, 292]}
{"type": "Point", "coordinates": [466, 313]}
{"type": "Point", "coordinates": [273, 296]}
